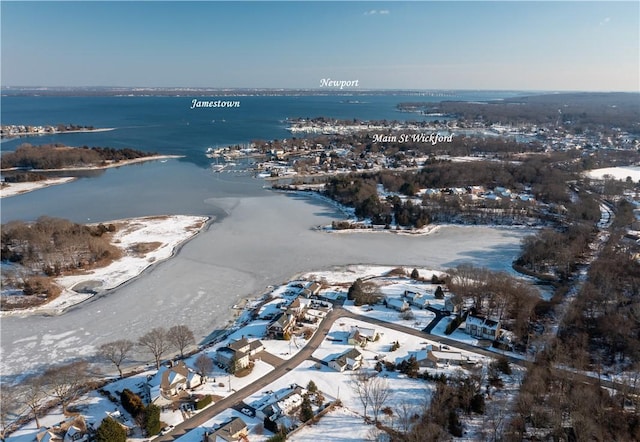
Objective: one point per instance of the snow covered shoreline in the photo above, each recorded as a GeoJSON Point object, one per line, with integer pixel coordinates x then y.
{"type": "Point", "coordinates": [163, 235]}
{"type": "Point", "coordinates": [13, 189]}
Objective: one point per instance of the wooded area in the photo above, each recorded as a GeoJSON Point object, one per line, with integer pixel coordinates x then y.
{"type": "Point", "coordinates": [59, 156]}
{"type": "Point", "coordinates": [48, 248]}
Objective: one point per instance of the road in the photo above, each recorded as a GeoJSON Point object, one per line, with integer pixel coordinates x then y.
{"type": "Point", "coordinates": [234, 400]}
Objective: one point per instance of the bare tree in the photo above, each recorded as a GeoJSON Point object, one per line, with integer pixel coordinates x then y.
{"type": "Point", "coordinates": [116, 352]}
{"type": "Point", "coordinates": [33, 396]}
{"type": "Point", "coordinates": [405, 412]}
{"type": "Point", "coordinates": [360, 386]}
{"type": "Point", "coordinates": [180, 336]}
{"type": "Point", "coordinates": [378, 392]}
{"type": "Point", "coordinates": [156, 343]}
{"type": "Point", "coordinates": [203, 365]}
{"type": "Point", "coordinates": [8, 397]}
{"type": "Point", "coordinates": [65, 382]}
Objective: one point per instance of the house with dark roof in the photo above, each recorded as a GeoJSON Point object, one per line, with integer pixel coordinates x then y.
{"type": "Point", "coordinates": [236, 355]}
{"type": "Point", "coordinates": [483, 328]}
{"type": "Point", "coordinates": [231, 431]}
{"type": "Point", "coordinates": [282, 324]}
{"type": "Point", "coordinates": [280, 403]}
{"type": "Point", "coordinates": [350, 359]}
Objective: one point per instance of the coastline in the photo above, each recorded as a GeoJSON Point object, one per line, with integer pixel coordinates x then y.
{"type": "Point", "coordinates": [42, 134]}
{"type": "Point", "coordinates": [170, 232]}
{"type": "Point", "coordinates": [14, 189]}
{"type": "Point", "coordinates": [30, 186]}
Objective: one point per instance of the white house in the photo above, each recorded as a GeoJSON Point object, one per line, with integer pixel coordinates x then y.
{"type": "Point", "coordinates": [416, 299]}
{"type": "Point", "coordinates": [362, 335]}
{"type": "Point", "coordinates": [350, 359]}
{"type": "Point", "coordinates": [168, 382]}
{"type": "Point", "coordinates": [397, 304]}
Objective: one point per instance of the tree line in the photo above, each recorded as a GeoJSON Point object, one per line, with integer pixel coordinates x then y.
{"type": "Point", "coordinates": [58, 156]}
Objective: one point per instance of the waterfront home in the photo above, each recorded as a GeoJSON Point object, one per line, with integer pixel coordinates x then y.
{"type": "Point", "coordinates": [281, 325]}
{"type": "Point", "coordinates": [311, 290]}
{"type": "Point", "coordinates": [169, 382]}
{"type": "Point", "coordinates": [483, 328]}
{"type": "Point", "coordinates": [350, 359]}
{"type": "Point", "coordinates": [236, 355]}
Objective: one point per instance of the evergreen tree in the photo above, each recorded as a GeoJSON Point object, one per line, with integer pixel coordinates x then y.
{"type": "Point", "coordinates": [152, 420]}
{"type": "Point", "coordinates": [415, 274]}
{"type": "Point", "coordinates": [311, 386]}
{"type": "Point", "coordinates": [306, 412]}
{"type": "Point", "coordinates": [111, 431]}
{"type": "Point", "coordinates": [439, 294]}
{"type": "Point", "coordinates": [355, 291]}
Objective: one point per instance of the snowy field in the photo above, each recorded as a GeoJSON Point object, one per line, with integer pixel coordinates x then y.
{"type": "Point", "coordinates": [618, 173]}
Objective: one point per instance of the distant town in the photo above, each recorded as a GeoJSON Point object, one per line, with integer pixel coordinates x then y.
{"type": "Point", "coordinates": [13, 130]}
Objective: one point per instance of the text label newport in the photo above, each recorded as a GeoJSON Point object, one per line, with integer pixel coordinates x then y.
{"type": "Point", "coordinates": [328, 82]}
{"type": "Point", "coordinates": [432, 138]}
{"type": "Point", "coordinates": [218, 103]}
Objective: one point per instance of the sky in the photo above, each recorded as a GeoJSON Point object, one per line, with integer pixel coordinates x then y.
{"type": "Point", "coordinates": [543, 45]}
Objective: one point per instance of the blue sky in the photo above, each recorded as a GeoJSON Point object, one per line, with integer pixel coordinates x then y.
{"type": "Point", "coordinates": [424, 45]}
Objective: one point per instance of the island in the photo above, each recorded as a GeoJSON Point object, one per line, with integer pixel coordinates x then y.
{"type": "Point", "coordinates": [33, 167]}
{"type": "Point", "coordinates": [20, 130]}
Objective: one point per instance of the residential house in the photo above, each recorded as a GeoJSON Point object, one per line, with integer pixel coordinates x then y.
{"type": "Point", "coordinates": [350, 359]}
{"type": "Point", "coordinates": [233, 430]}
{"type": "Point", "coordinates": [483, 328]}
{"type": "Point", "coordinates": [236, 355]}
{"type": "Point", "coordinates": [295, 308]}
{"type": "Point", "coordinates": [280, 403]}
{"type": "Point", "coordinates": [282, 324]}
{"type": "Point", "coordinates": [397, 304]}
{"type": "Point", "coordinates": [361, 335]}
{"type": "Point", "coordinates": [416, 299]}
{"type": "Point", "coordinates": [453, 306]}
{"type": "Point", "coordinates": [421, 356]}
{"type": "Point", "coordinates": [312, 289]}
{"type": "Point", "coordinates": [168, 382]}
{"type": "Point", "coordinates": [439, 358]}
{"type": "Point", "coordinates": [75, 434]}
